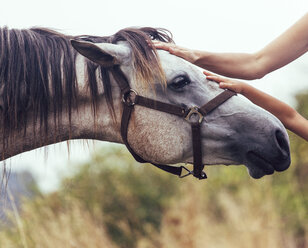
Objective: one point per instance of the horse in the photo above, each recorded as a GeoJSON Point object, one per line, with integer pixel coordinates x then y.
{"type": "Point", "coordinates": [51, 91]}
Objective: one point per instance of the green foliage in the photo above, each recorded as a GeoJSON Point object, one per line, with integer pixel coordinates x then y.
{"type": "Point", "coordinates": [130, 197]}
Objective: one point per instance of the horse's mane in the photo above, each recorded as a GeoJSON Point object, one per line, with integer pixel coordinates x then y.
{"type": "Point", "coordinates": [38, 74]}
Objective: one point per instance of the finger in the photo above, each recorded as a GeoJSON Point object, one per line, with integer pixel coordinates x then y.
{"type": "Point", "coordinates": [229, 86]}
{"type": "Point", "coordinates": [224, 85]}
{"type": "Point", "coordinates": [157, 43]}
{"type": "Point", "coordinates": [207, 73]}
{"type": "Point", "coordinates": [151, 44]}
{"type": "Point", "coordinates": [216, 78]}
{"type": "Point", "coordinates": [166, 46]}
{"type": "Point", "coordinates": [212, 78]}
{"type": "Point", "coordinates": [161, 45]}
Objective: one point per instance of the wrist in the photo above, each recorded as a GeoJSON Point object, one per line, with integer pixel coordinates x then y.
{"type": "Point", "coordinates": [199, 57]}
{"type": "Point", "coordinates": [244, 89]}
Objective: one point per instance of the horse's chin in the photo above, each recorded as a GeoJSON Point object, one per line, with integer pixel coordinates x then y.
{"type": "Point", "coordinates": [256, 172]}
{"type": "Point", "coordinates": [257, 166]}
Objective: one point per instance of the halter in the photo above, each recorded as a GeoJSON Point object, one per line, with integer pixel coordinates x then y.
{"type": "Point", "coordinates": [130, 98]}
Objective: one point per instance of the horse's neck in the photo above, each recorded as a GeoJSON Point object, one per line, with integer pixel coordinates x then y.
{"type": "Point", "coordinates": [83, 125]}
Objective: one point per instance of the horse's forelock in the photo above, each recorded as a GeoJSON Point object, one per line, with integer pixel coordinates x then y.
{"type": "Point", "coordinates": [145, 58]}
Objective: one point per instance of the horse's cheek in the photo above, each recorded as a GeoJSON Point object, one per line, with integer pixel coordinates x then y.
{"type": "Point", "coordinates": [157, 137]}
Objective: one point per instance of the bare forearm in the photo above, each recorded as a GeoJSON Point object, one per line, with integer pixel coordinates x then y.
{"type": "Point", "coordinates": [235, 65]}
{"type": "Point", "coordinates": [298, 125]}
{"type": "Point", "coordinates": [278, 108]}
{"type": "Point", "coordinates": [291, 119]}
{"type": "Point", "coordinates": [284, 49]}
{"type": "Point", "coordinates": [281, 110]}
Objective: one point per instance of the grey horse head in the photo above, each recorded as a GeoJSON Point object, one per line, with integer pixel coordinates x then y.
{"type": "Point", "coordinates": [237, 132]}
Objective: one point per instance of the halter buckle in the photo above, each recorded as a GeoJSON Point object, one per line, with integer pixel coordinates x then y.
{"type": "Point", "coordinates": [129, 97]}
{"type": "Point", "coordinates": [194, 111]}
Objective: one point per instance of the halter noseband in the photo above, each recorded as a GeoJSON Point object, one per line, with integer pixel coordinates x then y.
{"type": "Point", "coordinates": [130, 98]}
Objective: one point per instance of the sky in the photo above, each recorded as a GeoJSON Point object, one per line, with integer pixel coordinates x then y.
{"type": "Point", "coordinates": [216, 25]}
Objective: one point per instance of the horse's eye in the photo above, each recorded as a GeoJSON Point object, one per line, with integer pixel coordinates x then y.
{"type": "Point", "coordinates": [179, 82]}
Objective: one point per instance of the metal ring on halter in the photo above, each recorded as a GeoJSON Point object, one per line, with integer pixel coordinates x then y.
{"type": "Point", "coordinates": [194, 111]}
{"type": "Point", "coordinates": [129, 97]}
{"type": "Point", "coordinates": [188, 172]}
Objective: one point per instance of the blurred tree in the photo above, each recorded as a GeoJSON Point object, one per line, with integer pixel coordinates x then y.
{"type": "Point", "coordinates": [130, 197]}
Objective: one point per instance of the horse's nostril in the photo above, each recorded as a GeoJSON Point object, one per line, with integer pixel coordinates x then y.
{"type": "Point", "coordinates": [282, 142]}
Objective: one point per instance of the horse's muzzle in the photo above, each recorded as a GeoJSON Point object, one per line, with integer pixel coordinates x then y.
{"type": "Point", "coordinates": [274, 157]}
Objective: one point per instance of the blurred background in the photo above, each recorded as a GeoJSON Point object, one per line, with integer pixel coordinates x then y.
{"type": "Point", "coordinates": [97, 196]}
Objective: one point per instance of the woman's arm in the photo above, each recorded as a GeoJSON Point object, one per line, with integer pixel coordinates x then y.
{"type": "Point", "coordinates": [286, 48]}
{"type": "Point", "coordinates": [238, 65]}
{"type": "Point", "coordinates": [291, 119]}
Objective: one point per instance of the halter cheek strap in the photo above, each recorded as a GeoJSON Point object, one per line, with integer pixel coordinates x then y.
{"type": "Point", "coordinates": [130, 98]}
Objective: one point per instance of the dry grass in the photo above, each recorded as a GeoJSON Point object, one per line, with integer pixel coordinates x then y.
{"type": "Point", "coordinates": [241, 222]}
{"type": "Point", "coordinates": [197, 219]}
{"type": "Point", "coordinates": [70, 228]}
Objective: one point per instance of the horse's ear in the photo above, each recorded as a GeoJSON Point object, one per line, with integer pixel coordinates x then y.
{"type": "Point", "coordinates": [105, 54]}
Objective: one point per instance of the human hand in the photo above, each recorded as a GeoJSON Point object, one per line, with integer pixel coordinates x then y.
{"type": "Point", "coordinates": [226, 83]}
{"type": "Point", "coordinates": [185, 53]}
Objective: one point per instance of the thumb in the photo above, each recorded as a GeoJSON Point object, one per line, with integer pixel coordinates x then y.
{"type": "Point", "coordinates": [230, 86]}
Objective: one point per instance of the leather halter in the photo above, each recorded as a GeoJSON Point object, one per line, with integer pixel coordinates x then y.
{"type": "Point", "coordinates": [130, 98]}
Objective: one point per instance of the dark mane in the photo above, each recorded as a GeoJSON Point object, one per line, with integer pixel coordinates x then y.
{"type": "Point", "coordinates": [38, 74]}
